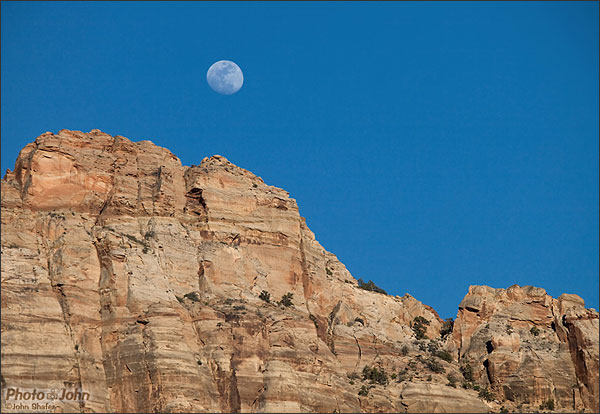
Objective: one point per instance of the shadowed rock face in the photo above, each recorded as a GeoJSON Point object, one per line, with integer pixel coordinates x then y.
{"type": "Point", "coordinates": [137, 279]}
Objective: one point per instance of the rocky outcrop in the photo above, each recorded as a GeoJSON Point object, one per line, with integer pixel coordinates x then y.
{"type": "Point", "coordinates": [437, 398]}
{"type": "Point", "coordinates": [530, 348]}
{"type": "Point", "coordinates": [139, 281]}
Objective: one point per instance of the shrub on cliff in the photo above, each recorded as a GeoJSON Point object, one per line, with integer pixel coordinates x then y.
{"type": "Point", "coordinates": [447, 327]}
{"type": "Point", "coordinates": [375, 375]}
{"type": "Point", "coordinates": [547, 405]}
{"type": "Point", "coordinates": [467, 371]}
{"type": "Point", "coordinates": [433, 347]}
{"type": "Point", "coordinates": [370, 286]}
{"type": "Point", "coordinates": [444, 355]}
{"type": "Point", "coordinates": [266, 296]}
{"type": "Point", "coordinates": [434, 365]}
{"type": "Point", "coordinates": [286, 300]}
{"type": "Point", "coordinates": [486, 394]}
{"type": "Point", "coordinates": [419, 327]}
{"type": "Point", "coordinates": [193, 296]}
{"type": "Point", "coordinates": [403, 375]}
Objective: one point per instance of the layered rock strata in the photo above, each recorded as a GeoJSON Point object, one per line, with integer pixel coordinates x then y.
{"type": "Point", "coordinates": [529, 347]}
{"type": "Point", "coordinates": [139, 281]}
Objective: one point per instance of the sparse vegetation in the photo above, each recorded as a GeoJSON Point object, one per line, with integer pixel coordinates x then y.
{"type": "Point", "coordinates": [419, 327]}
{"type": "Point", "coordinates": [547, 405]}
{"type": "Point", "coordinates": [432, 347]}
{"type": "Point", "coordinates": [467, 371]}
{"type": "Point", "coordinates": [364, 391]}
{"type": "Point", "coordinates": [370, 286]}
{"type": "Point", "coordinates": [434, 365]}
{"type": "Point", "coordinates": [404, 350]}
{"type": "Point", "coordinates": [329, 272]}
{"type": "Point", "coordinates": [485, 394]}
{"type": "Point", "coordinates": [315, 322]}
{"type": "Point", "coordinates": [509, 329]}
{"type": "Point", "coordinates": [467, 385]}
{"type": "Point", "coordinates": [393, 376]}
{"type": "Point", "coordinates": [286, 300]}
{"type": "Point", "coordinates": [444, 355]}
{"type": "Point", "coordinates": [447, 327]}
{"type": "Point", "coordinates": [451, 381]}
{"type": "Point", "coordinates": [54, 214]}
{"type": "Point", "coordinates": [193, 296]}
{"type": "Point", "coordinates": [375, 375]}
{"type": "Point", "coordinates": [402, 375]}
{"type": "Point", "coordinates": [535, 331]}
{"type": "Point", "coordinates": [429, 378]}
{"type": "Point", "coordinates": [134, 239]}
{"type": "Point", "coordinates": [266, 296]}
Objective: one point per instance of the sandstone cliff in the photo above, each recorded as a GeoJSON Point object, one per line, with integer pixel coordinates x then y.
{"type": "Point", "coordinates": [139, 281]}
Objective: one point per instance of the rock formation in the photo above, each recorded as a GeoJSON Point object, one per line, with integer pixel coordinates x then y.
{"type": "Point", "coordinates": [530, 347]}
{"type": "Point", "coordinates": [154, 287]}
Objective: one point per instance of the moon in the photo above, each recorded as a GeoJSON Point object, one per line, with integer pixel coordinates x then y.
{"type": "Point", "coordinates": [225, 77]}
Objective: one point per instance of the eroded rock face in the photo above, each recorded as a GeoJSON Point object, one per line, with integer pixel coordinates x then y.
{"type": "Point", "coordinates": [137, 279]}
{"type": "Point", "coordinates": [529, 347]}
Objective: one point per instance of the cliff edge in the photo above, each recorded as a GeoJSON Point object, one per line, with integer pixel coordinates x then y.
{"type": "Point", "coordinates": [154, 286]}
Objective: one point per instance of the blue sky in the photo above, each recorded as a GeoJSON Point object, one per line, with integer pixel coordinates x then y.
{"type": "Point", "coordinates": [430, 146]}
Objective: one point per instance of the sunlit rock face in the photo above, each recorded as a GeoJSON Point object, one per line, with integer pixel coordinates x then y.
{"type": "Point", "coordinates": [138, 280]}
{"type": "Point", "coordinates": [529, 347]}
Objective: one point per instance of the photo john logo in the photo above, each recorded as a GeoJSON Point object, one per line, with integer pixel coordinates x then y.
{"type": "Point", "coordinates": [37, 399]}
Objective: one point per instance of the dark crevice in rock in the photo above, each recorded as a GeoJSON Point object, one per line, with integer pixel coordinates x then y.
{"type": "Point", "coordinates": [305, 275]}
{"type": "Point", "coordinates": [359, 353]}
{"type": "Point", "coordinates": [154, 403]}
{"type": "Point", "coordinates": [588, 387]}
{"type": "Point", "coordinates": [486, 364]}
{"type": "Point", "coordinates": [330, 326]}
{"type": "Point", "coordinates": [113, 179]}
{"type": "Point", "coordinates": [54, 262]}
{"type": "Point", "coordinates": [203, 285]}
{"type": "Point", "coordinates": [235, 404]}
{"type": "Point", "coordinates": [24, 186]}
{"type": "Point", "coordinates": [196, 203]}
{"type": "Point", "coordinates": [156, 188]}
